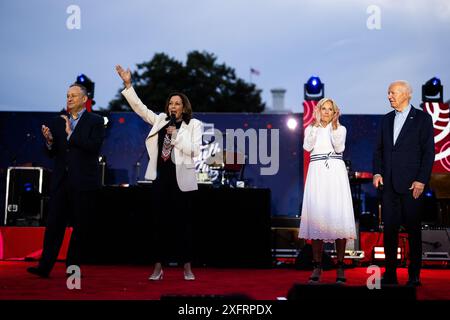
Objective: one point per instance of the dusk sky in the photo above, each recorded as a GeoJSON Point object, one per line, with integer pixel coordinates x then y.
{"type": "Point", "coordinates": [286, 40]}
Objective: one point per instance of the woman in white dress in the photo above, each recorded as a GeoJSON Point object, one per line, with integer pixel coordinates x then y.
{"type": "Point", "coordinates": [327, 212]}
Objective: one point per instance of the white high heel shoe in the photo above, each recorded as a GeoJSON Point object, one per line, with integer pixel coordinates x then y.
{"type": "Point", "coordinates": [189, 276]}
{"type": "Point", "coordinates": [156, 277]}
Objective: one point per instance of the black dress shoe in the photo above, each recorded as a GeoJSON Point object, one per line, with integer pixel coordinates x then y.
{"type": "Point", "coordinates": [38, 272]}
{"type": "Point", "coordinates": [413, 281]}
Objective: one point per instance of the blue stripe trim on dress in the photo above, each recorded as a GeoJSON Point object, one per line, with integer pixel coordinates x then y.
{"type": "Point", "coordinates": [326, 157]}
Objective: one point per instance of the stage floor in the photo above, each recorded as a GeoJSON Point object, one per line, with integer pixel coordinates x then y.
{"type": "Point", "coordinates": [127, 282]}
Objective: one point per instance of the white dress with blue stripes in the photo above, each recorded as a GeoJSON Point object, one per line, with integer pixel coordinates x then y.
{"type": "Point", "coordinates": [327, 210]}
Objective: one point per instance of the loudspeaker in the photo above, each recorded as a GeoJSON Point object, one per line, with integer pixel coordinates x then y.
{"type": "Point", "coordinates": [286, 239]}
{"type": "Point", "coordinates": [435, 241]}
{"type": "Point", "coordinates": [320, 292]}
{"type": "Point", "coordinates": [440, 184]}
{"type": "Point", "coordinates": [26, 195]}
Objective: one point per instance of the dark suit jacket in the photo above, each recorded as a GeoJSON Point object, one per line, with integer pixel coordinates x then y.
{"type": "Point", "coordinates": [412, 156]}
{"type": "Point", "coordinates": [77, 159]}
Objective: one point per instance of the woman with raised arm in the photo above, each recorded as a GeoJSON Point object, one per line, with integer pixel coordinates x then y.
{"type": "Point", "coordinates": [172, 144]}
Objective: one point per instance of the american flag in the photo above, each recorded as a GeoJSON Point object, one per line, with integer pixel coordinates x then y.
{"type": "Point", "coordinates": [254, 71]}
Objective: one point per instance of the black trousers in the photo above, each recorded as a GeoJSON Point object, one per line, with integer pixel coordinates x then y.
{"type": "Point", "coordinates": [171, 221]}
{"type": "Point", "coordinates": [402, 209]}
{"type": "Point", "coordinates": [67, 206]}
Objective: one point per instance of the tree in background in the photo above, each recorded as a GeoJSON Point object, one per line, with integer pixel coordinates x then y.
{"type": "Point", "coordinates": [210, 86]}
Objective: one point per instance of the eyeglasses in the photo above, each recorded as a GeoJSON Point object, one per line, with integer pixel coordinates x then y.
{"type": "Point", "coordinates": [72, 96]}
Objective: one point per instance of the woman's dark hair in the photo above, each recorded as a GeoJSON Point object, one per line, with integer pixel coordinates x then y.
{"type": "Point", "coordinates": [187, 108]}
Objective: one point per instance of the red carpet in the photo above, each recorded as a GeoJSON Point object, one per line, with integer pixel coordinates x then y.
{"type": "Point", "coordinates": [130, 283]}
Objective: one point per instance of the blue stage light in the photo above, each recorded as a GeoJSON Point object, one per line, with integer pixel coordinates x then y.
{"type": "Point", "coordinates": [81, 79]}
{"type": "Point", "coordinates": [314, 89]}
{"type": "Point", "coordinates": [314, 85]}
{"type": "Point", "coordinates": [432, 91]}
{"type": "Point", "coordinates": [88, 84]}
{"type": "Point", "coordinates": [435, 81]}
{"type": "Point", "coordinates": [28, 187]}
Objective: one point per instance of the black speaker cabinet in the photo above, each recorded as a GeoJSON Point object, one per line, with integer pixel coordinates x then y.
{"type": "Point", "coordinates": [436, 244]}
{"type": "Point", "coordinates": [26, 195]}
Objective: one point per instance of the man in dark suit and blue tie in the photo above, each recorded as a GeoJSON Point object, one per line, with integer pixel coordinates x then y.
{"type": "Point", "coordinates": [402, 164]}
{"type": "Point", "coordinates": [74, 141]}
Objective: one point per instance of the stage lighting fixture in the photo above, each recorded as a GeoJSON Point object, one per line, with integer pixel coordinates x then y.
{"type": "Point", "coordinates": [432, 91]}
{"type": "Point", "coordinates": [314, 89]}
{"type": "Point", "coordinates": [28, 187]}
{"type": "Point", "coordinates": [88, 84]}
{"type": "Point", "coordinates": [291, 123]}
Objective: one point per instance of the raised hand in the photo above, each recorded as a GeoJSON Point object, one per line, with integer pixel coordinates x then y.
{"type": "Point", "coordinates": [316, 117]}
{"type": "Point", "coordinates": [335, 120]}
{"type": "Point", "coordinates": [125, 75]}
{"type": "Point", "coordinates": [68, 129]}
{"type": "Point", "coordinates": [171, 130]}
{"type": "Point", "coordinates": [47, 135]}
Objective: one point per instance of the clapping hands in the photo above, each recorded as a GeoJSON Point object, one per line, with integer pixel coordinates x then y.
{"type": "Point", "coordinates": [316, 117]}
{"type": "Point", "coordinates": [47, 134]}
{"type": "Point", "coordinates": [68, 129]}
{"type": "Point", "coordinates": [335, 121]}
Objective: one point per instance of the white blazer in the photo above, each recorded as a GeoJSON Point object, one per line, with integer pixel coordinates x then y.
{"type": "Point", "coordinates": [186, 143]}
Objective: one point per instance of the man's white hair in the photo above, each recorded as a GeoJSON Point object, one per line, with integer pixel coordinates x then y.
{"type": "Point", "coordinates": [405, 85]}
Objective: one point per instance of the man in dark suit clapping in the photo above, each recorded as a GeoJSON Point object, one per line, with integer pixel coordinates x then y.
{"type": "Point", "coordinates": [402, 164]}
{"type": "Point", "coordinates": [74, 141]}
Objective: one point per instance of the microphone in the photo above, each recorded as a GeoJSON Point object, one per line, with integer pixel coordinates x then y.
{"type": "Point", "coordinates": [173, 119]}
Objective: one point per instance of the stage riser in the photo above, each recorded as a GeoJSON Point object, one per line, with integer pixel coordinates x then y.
{"type": "Point", "coordinates": [349, 294]}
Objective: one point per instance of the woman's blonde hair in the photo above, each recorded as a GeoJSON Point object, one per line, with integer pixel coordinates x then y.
{"type": "Point", "coordinates": [321, 103]}
{"type": "Point", "coordinates": [325, 100]}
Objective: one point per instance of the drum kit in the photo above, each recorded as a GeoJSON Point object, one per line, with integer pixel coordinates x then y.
{"type": "Point", "coordinates": [228, 169]}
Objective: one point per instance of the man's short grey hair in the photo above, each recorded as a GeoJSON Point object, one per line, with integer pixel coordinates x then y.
{"type": "Point", "coordinates": [405, 84]}
{"type": "Point", "coordinates": [82, 88]}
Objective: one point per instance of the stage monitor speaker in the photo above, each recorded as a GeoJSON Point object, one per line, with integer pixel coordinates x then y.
{"type": "Point", "coordinates": [436, 244]}
{"type": "Point", "coordinates": [26, 194]}
{"type": "Point", "coordinates": [321, 292]}
{"type": "Point", "coordinates": [440, 184]}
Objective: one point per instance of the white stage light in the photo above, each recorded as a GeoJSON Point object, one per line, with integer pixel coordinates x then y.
{"type": "Point", "coordinates": [292, 123]}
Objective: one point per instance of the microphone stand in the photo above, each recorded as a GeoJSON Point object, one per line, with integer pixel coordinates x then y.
{"type": "Point", "coordinates": [138, 165]}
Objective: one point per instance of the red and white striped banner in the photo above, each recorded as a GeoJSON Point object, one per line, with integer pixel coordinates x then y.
{"type": "Point", "coordinates": [308, 109]}
{"type": "Point", "coordinates": [440, 114]}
